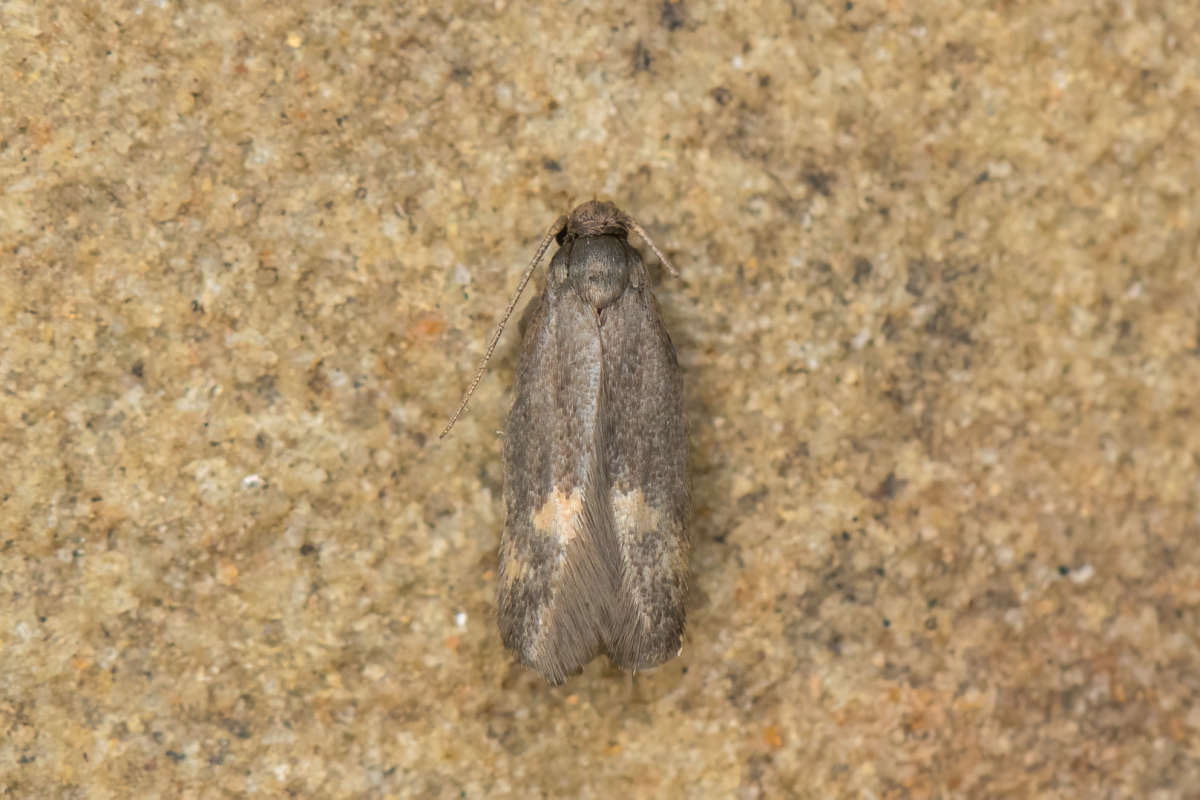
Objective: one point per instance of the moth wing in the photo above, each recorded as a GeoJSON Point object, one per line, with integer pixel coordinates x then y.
{"type": "Point", "coordinates": [646, 461]}
{"type": "Point", "coordinates": [557, 551]}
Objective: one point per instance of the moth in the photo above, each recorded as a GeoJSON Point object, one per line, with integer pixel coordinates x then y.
{"type": "Point", "coordinates": [594, 551]}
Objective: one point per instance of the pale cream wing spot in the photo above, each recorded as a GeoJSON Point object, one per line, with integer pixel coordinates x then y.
{"type": "Point", "coordinates": [514, 568]}
{"type": "Point", "coordinates": [631, 512]}
{"type": "Point", "coordinates": [637, 521]}
{"type": "Point", "coordinates": [561, 516]}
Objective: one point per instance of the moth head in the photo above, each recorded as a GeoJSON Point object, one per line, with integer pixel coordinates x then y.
{"type": "Point", "coordinates": [596, 218]}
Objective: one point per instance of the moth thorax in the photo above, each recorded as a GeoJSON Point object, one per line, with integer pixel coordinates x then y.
{"type": "Point", "coordinates": [599, 269]}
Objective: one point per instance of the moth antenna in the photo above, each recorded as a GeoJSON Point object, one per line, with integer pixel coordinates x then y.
{"type": "Point", "coordinates": [487, 356]}
{"type": "Point", "coordinates": [640, 231]}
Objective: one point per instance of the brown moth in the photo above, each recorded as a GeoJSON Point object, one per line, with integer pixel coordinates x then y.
{"type": "Point", "coordinates": [594, 552]}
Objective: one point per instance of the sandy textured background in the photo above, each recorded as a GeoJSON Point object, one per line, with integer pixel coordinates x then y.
{"type": "Point", "coordinates": [939, 326]}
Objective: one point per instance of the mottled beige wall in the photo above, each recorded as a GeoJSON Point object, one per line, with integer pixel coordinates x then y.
{"type": "Point", "coordinates": [939, 328]}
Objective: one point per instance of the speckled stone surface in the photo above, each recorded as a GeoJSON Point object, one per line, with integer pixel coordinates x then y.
{"type": "Point", "coordinates": [939, 327]}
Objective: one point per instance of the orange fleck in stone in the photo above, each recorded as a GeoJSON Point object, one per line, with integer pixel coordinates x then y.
{"type": "Point", "coordinates": [772, 738]}
{"type": "Point", "coordinates": [227, 573]}
{"type": "Point", "coordinates": [427, 327]}
{"type": "Point", "coordinates": [1177, 730]}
